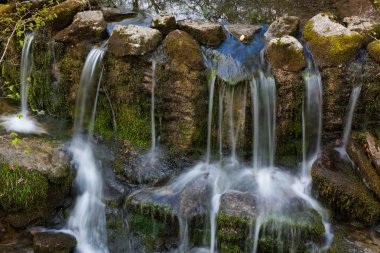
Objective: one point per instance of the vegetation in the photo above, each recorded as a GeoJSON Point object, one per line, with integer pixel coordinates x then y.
{"type": "Point", "coordinates": [21, 188]}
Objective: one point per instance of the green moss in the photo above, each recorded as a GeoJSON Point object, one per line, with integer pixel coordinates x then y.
{"type": "Point", "coordinates": [332, 50]}
{"type": "Point", "coordinates": [374, 50]}
{"type": "Point", "coordinates": [20, 188]}
{"type": "Point", "coordinates": [145, 226]}
{"type": "Point", "coordinates": [283, 56]}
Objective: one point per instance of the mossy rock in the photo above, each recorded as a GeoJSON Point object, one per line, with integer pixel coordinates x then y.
{"type": "Point", "coordinates": [21, 188]}
{"type": "Point", "coordinates": [336, 184]}
{"type": "Point", "coordinates": [286, 53]}
{"type": "Point", "coordinates": [374, 50]}
{"type": "Point", "coordinates": [331, 43]}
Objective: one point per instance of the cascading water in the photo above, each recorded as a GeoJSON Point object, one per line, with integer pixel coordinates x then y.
{"type": "Point", "coordinates": [153, 124]}
{"type": "Point", "coordinates": [22, 122]}
{"type": "Point", "coordinates": [87, 221]}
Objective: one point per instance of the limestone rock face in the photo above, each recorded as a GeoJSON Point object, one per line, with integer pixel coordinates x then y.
{"type": "Point", "coordinates": [374, 50]}
{"type": "Point", "coordinates": [165, 23]}
{"type": "Point", "coordinates": [50, 242]}
{"type": "Point", "coordinates": [243, 32]}
{"type": "Point", "coordinates": [286, 53]}
{"type": "Point", "coordinates": [133, 40]}
{"type": "Point", "coordinates": [114, 14]}
{"type": "Point", "coordinates": [287, 25]}
{"type": "Point", "coordinates": [336, 184]}
{"type": "Point", "coordinates": [183, 90]}
{"type": "Point", "coordinates": [365, 26]}
{"type": "Point", "coordinates": [331, 43]}
{"type": "Point", "coordinates": [210, 34]}
{"type": "Point", "coordinates": [87, 25]}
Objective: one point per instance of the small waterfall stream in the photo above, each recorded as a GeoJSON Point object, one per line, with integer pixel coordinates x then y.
{"type": "Point", "coordinates": [87, 220]}
{"type": "Point", "coordinates": [23, 122]}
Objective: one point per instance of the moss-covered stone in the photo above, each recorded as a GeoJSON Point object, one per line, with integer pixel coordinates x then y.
{"type": "Point", "coordinates": [331, 43]}
{"type": "Point", "coordinates": [336, 184]}
{"type": "Point", "coordinates": [286, 53]}
{"type": "Point", "coordinates": [374, 50]}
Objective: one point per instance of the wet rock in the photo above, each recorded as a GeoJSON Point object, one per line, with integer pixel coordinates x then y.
{"type": "Point", "coordinates": [50, 242]}
{"type": "Point", "coordinates": [336, 184]}
{"type": "Point", "coordinates": [366, 27]}
{"type": "Point", "coordinates": [238, 204]}
{"type": "Point", "coordinates": [40, 154]}
{"type": "Point", "coordinates": [184, 90]}
{"type": "Point", "coordinates": [286, 53]}
{"type": "Point", "coordinates": [243, 32]}
{"type": "Point", "coordinates": [210, 34]}
{"type": "Point", "coordinates": [373, 151]}
{"type": "Point", "coordinates": [374, 50]}
{"type": "Point", "coordinates": [367, 171]}
{"type": "Point", "coordinates": [115, 14]}
{"type": "Point", "coordinates": [165, 23]}
{"type": "Point", "coordinates": [184, 51]}
{"type": "Point", "coordinates": [331, 43]}
{"type": "Point", "coordinates": [133, 40]}
{"type": "Point", "coordinates": [87, 25]}
{"type": "Point", "coordinates": [287, 25]}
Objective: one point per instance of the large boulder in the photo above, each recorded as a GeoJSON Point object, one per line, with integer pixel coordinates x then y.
{"type": "Point", "coordinates": [53, 242]}
{"type": "Point", "coordinates": [287, 25]}
{"type": "Point", "coordinates": [115, 14]}
{"type": "Point", "coordinates": [36, 178]}
{"type": "Point", "coordinates": [243, 32]}
{"type": "Point", "coordinates": [336, 183]}
{"type": "Point", "coordinates": [165, 23]}
{"type": "Point", "coordinates": [374, 50]}
{"type": "Point", "coordinates": [87, 25]}
{"type": "Point", "coordinates": [286, 53]}
{"type": "Point", "coordinates": [366, 27]}
{"type": "Point", "coordinates": [210, 34]}
{"type": "Point", "coordinates": [331, 43]}
{"type": "Point", "coordinates": [133, 40]}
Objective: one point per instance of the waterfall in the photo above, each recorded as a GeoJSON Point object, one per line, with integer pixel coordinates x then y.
{"type": "Point", "coordinates": [153, 122]}
{"type": "Point", "coordinates": [22, 122]}
{"type": "Point", "coordinates": [87, 220]}
{"type": "Point", "coordinates": [26, 71]}
{"type": "Point", "coordinates": [209, 119]}
{"type": "Point", "coordinates": [263, 94]}
{"type": "Point", "coordinates": [311, 118]}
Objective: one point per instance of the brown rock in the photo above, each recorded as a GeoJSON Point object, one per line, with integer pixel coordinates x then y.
{"type": "Point", "coordinates": [165, 23]}
{"type": "Point", "coordinates": [50, 242]}
{"type": "Point", "coordinates": [210, 34]}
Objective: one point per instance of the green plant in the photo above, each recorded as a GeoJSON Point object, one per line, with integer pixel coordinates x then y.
{"type": "Point", "coordinates": [21, 188]}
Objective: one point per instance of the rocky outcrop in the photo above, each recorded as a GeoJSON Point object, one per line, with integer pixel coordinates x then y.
{"type": "Point", "coordinates": [133, 40]}
{"type": "Point", "coordinates": [243, 32]}
{"type": "Point", "coordinates": [286, 53]}
{"type": "Point", "coordinates": [51, 242]}
{"type": "Point", "coordinates": [210, 34]}
{"type": "Point", "coordinates": [36, 178]}
{"type": "Point", "coordinates": [165, 23]}
{"type": "Point", "coordinates": [331, 43]}
{"type": "Point", "coordinates": [374, 50]}
{"type": "Point", "coordinates": [287, 25]}
{"type": "Point", "coordinates": [87, 25]}
{"type": "Point", "coordinates": [336, 184]}
{"type": "Point", "coordinates": [115, 14]}
{"type": "Point", "coordinates": [182, 90]}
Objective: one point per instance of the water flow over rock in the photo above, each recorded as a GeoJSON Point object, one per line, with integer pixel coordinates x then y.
{"type": "Point", "coordinates": [87, 220]}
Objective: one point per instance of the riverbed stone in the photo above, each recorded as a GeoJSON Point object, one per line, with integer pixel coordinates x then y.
{"type": "Point", "coordinates": [243, 32]}
{"type": "Point", "coordinates": [286, 53]}
{"type": "Point", "coordinates": [374, 50]}
{"type": "Point", "coordinates": [331, 43]}
{"type": "Point", "coordinates": [165, 23]}
{"type": "Point", "coordinates": [206, 33]}
{"type": "Point", "coordinates": [133, 40]}
{"type": "Point", "coordinates": [336, 184]}
{"type": "Point", "coordinates": [115, 14]}
{"type": "Point", "coordinates": [287, 25]}
{"type": "Point", "coordinates": [53, 242]}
